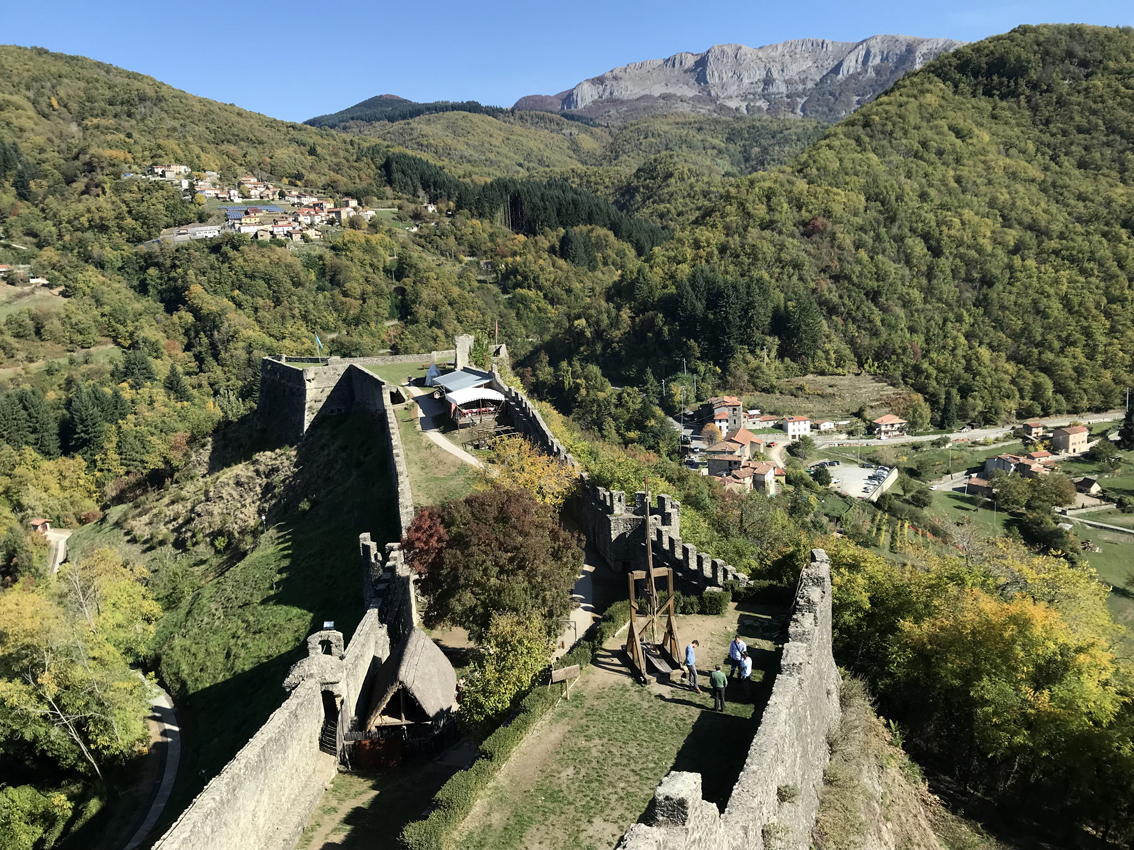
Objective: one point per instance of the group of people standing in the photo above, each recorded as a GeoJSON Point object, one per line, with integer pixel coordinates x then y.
{"type": "Point", "coordinates": [738, 659]}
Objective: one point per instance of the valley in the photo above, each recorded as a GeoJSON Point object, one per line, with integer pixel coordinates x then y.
{"type": "Point", "coordinates": [230, 345]}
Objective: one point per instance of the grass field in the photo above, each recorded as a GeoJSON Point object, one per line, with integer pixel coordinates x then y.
{"type": "Point", "coordinates": [396, 373]}
{"type": "Point", "coordinates": [589, 769]}
{"type": "Point", "coordinates": [435, 475]}
{"type": "Point", "coordinates": [823, 397]}
{"type": "Point", "coordinates": [13, 298]}
{"type": "Point", "coordinates": [366, 811]}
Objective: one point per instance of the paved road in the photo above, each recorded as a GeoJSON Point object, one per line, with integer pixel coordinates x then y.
{"type": "Point", "coordinates": [166, 719]}
{"type": "Point", "coordinates": [1093, 524]}
{"type": "Point", "coordinates": [57, 537]}
{"type": "Point", "coordinates": [584, 595]}
{"type": "Point", "coordinates": [981, 433]}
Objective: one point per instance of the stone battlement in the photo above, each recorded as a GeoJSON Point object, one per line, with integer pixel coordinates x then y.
{"type": "Point", "coordinates": [790, 749]}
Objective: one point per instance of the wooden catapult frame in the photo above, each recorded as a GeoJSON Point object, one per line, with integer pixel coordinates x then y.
{"type": "Point", "coordinates": [653, 615]}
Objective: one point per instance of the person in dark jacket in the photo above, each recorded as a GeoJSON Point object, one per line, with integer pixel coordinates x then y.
{"type": "Point", "coordinates": [719, 682]}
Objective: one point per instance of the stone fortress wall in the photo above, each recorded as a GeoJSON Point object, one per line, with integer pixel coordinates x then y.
{"type": "Point", "coordinates": [776, 799]}
{"type": "Point", "coordinates": [265, 795]}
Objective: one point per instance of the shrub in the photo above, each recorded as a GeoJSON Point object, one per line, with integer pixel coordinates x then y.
{"type": "Point", "coordinates": [788, 793]}
{"type": "Point", "coordinates": [716, 603]}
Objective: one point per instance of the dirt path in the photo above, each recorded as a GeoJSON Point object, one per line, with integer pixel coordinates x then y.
{"type": "Point", "coordinates": [427, 409]}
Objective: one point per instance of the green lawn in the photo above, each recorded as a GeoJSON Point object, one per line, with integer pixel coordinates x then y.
{"type": "Point", "coordinates": [589, 769]}
{"type": "Point", "coordinates": [367, 810]}
{"type": "Point", "coordinates": [435, 475]}
{"type": "Point", "coordinates": [957, 506]}
{"type": "Point", "coordinates": [396, 373]}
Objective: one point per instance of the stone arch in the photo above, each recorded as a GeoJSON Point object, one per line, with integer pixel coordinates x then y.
{"type": "Point", "coordinates": [334, 638]}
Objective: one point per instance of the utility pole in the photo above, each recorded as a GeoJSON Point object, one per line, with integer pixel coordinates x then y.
{"type": "Point", "coordinates": [765, 355]}
{"type": "Point", "coordinates": [684, 372]}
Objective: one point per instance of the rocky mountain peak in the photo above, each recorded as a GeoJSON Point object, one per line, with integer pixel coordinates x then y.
{"type": "Point", "coordinates": [808, 76]}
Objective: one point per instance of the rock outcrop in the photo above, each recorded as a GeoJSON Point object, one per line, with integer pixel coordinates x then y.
{"type": "Point", "coordinates": [811, 76]}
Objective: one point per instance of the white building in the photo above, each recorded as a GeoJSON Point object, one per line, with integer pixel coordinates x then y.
{"type": "Point", "coordinates": [797, 426]}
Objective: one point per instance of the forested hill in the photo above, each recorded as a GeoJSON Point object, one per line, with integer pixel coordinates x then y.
{"type": "Point", "coordinates": [388, 107]}
{"type": "Point", "coordinates": [971, 232]}
{"type": "Point", "coordinates": [70, 115]}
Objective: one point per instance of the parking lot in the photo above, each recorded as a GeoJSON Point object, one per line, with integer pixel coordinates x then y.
{"type": "Point", "coordinates": [852, 478]}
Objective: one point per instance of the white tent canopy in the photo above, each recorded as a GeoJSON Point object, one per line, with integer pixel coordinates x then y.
{"type": "Point", "coordinates": [463, 397]}
{"type": "Point", "coordinates": [433, 372]}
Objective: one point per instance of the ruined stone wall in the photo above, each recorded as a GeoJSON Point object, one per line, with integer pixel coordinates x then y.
{"type": "Point", "coordinates": [291, 398]}
{"type": "Point", "coordinates": [265, 795]}
{"type": "Point", "coordinates": [774, 802]}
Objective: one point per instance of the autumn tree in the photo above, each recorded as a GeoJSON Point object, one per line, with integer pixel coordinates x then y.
{"type": "Point", "coordinates": [424, 543]}
{"type": "Point", "coordinates": [513, 650]}
{"type": "Point", "coordinates": [711, 434]}
{"type": "Point", "coordinates": [506, 553]}
{"type": "Point", "coordinates": [516, 463]}
{"type": "Point", "coordinates": [67, 691]}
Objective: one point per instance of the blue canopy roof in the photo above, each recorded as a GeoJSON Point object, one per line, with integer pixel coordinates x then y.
{"type": "Point", "coordinates": [462, 380]}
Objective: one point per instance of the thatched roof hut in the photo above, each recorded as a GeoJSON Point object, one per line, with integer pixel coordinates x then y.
{"type": "Point", "coordinates": [416, 684]}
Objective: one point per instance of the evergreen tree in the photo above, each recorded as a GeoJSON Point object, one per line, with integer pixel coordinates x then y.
{"type": "Point", "coordinates": [87, 425]}
{"type": "Point", "coordinates": [949, 410]}
{"type": "Point", "coordinates": [176, 385]}
{"type": "Point", "coordinates": [43, 428]}
{"type": "Point", "coordinates": [1126, 432]}
{"type": "Point", "coordinates": [136, 368]}
{"type": "Point", "coordinates": [114, 406]}
{"type": "Point", "coordinates": [14, 430]}
{"type": "Point", "coordinates": [805, 329]}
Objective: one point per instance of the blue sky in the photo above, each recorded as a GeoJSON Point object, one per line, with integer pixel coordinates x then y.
{"type": "Point", "coordinates": [294, 60]}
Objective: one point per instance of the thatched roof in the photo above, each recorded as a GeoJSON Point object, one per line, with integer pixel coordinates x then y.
{"type": "Point", "coordinates": [422, 670]}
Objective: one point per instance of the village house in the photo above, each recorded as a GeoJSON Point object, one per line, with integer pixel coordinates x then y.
{"type": "Point", "coordinates": [348, 202]}
{"type": "Point", "coordinates": [753, 476]}
{"type": "Point", "coordinates": [724, 412]}
{"type": "Point", "coordinates": [1088, 486]}
{"type": "Point", "coordinates": [889, 426]}
{"type": "Point", "coordinates": [1033, 429]}
{"type": "Point", "coordinates": [40, 525]}
{"type": "Point", "coordinates": [1027, 466]}
{"type": "Point", "coordinates": [797, 426]}
{"type": "Point", "coordinates": [768, 421]}
{"type": "Point", "coordinates": [429, 208]}
{"type": "Point", "coordinates": [1070, 440]}
{"type": "Point", "coordinates": [823, 425]}
{"type": "Point", "coordinates": [750, 418]}
{"type": "Point", "coordinates": [978, 487]}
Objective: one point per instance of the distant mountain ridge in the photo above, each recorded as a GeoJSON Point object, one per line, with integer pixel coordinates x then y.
{"type": "Point", "coordinates": [811, 76]}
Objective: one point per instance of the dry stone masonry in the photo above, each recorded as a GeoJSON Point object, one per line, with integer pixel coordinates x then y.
{"type": "Point", "coordinates": [774, 802]}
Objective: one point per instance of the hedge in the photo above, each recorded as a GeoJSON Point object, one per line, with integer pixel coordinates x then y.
{"type": "Point", "coordinates": [456, 798]}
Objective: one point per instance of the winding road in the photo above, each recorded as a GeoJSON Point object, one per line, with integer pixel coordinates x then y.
{"type": "Point", "coordinates": [165, 718]}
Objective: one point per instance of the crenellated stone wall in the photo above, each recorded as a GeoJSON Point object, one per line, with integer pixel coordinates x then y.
{"type": "Point", "coordinates": [616, 530]}
{"type": "Point", "coordinates": [776, 798]}
{"type": "Point", "coordinates": [527, 421]}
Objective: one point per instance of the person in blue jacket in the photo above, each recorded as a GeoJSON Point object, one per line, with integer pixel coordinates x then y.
{"type": "Point", "coordinates": [691, 665]}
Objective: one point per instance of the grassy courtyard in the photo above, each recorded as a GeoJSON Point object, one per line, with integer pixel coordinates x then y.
{"type": "Point", "coordinates": [589, 769]}
{"type": "Point", "coordinates": [435, 475]}
{"type": "Point", "coordinates": [396, 373]}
